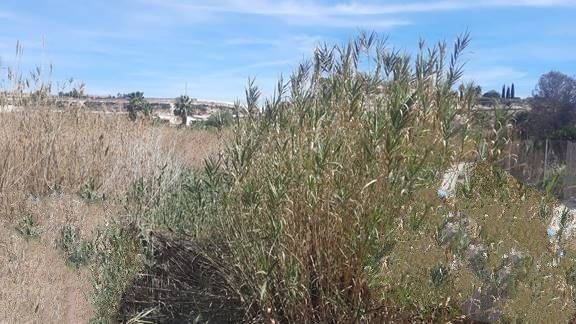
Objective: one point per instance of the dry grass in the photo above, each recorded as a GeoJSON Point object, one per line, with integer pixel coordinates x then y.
{"type": "Point", "coordinates": [37, 285]}
{"type": "Point", "coordinates": [73, 169]}
{"type": "Point", "coordinates": [43, 151]}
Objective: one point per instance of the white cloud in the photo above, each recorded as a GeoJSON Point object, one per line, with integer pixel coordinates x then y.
{"type": "Point", "coordinates": [344, 14]}
{"type": "Point", "coordinates": [291, 12]}
{"type": "Point", "coordinates": [300, 43]}
{"type": "Point", "coordinates": [542, 51]}
{"type": "Point", "coordinates": [493, 78]}
{"type": "Point", "coordinates": [494, 74]}
{"type": "Point", "coordinates": [350, 8]}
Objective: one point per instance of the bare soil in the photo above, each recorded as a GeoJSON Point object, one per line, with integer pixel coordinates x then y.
{"type": "Point", "coordinates": [36, 285]}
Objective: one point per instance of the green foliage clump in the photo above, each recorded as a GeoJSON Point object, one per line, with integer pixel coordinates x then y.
{"type": "Point", "coordinates": [28, 227]}
{"type": "Point", "coordinates": [77, 251]}
{"type": "Point", "coordinates": [183, 108]}
{"type": "Point", "coordinates": [89, 191]}
{"type": "Point", "coordinates": [315, 183]}
{"type": "Point", "coordinates": [116, 259]}
{"type": "Point", "coordinates": [494, 94]}
{"type": "Point", "coordinates": [553, 107]}
{"type": "Point", "coordinates": [137, 103]}
{"type": "Point", "coordinates": [220, 120]}
{"type": "Point", "coordinates": [564, 134]}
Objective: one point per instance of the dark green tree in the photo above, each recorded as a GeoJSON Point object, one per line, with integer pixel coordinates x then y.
{"type": "Point", "coordinates": [503, 92]}
{"type": "Point", "coordinates": [512, 92]}
{"type": "Point", "coordinates": [491, 94]}
{"type": "Point", "coordinates": [553, 108]}
{"type": "Point", "coordinates": [508, 93]}
{"type": "Point", "coordinates": [556, 88]}
{"type": "Point", "coordinates": [137, 103]}
{"type": "Point", "coordinates": [183, 108]}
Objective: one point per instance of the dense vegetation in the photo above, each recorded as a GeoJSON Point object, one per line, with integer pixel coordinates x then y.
{"type": "Point", "coordinates": [553, 111]}
{"type": "Point", "coordinates": [323, 208]}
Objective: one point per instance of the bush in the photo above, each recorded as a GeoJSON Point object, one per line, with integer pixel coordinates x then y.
{"type": "Point", "coordinates": [553, 108]}
{"type": "Point", "coordinates": [324, 209]}
{"type": "Point", "coordinates": [492, 94]}
{"type": "Point", "coordinates": [309, 187]}
{"type": "Point", "coordinates": [220, 119]}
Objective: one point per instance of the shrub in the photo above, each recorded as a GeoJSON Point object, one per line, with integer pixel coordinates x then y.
{"type": "Point", "coordinates": [323, 207]}
{"type": "Point", "coordinates": [183, 108]}
{"type": "Point", "coordinates": [116, 258]}
{"type": "Point", "coordinates": [220, 119]}
{"type": "Point", "coordinates": [309, 187]}
{"type": "Point", "coordinates": [137, 103]}
{"type": "Point", "coordinates": [494, 94]}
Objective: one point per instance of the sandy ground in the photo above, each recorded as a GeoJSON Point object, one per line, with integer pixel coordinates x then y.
{"type": "Point", "coordinates": [36, 286]}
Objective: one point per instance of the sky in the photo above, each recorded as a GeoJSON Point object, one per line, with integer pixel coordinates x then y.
{"type": "Point", "coordinates": [209, 48]}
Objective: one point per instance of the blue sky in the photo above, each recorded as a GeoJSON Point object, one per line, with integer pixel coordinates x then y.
{"type": "Point", "coordinates": [159, 46]}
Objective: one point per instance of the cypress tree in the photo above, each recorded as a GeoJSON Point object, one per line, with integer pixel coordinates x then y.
{"type": "Point", "coordinates": [508, 93]}
{"type": "Point", "coordinates": [503, 91]}
{"type": "Point", "coordinates": [512, 94]}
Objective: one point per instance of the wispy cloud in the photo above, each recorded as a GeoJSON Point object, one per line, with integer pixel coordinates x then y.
{"type": "Point", "coordinates": [213, 45]}
{"type": "Point", "coordinates": [314, 9]}
{"type": "Point", "coordinates": [301, 43]}
{"type": "Point", "coordinates": [291, 12]}
{"type": "Point", "coordinates": [494, 74]}
{"type": "Point", "coordinates": [493, 77]}
{"type": "Point", "coordinates": [541, 51]}
{"type": "Point", "coordinates": [438, 6]}
{"type": "Point", "coordinates": [336, 15]}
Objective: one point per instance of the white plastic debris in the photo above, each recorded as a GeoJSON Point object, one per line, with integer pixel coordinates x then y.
{"type": "Point", "coordinates": [566, 226]}
{"type": "Point", "coordinates": [451, 179]}
{"type": "Point", "coordinates": [556, 223]}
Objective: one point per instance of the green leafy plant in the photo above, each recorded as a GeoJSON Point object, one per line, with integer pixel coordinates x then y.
{"type": "Point", "coordinates": [77, 251]}
{"type": "Point", "coordinates": [313, 213]}
{"type": "Point", "coordinates": [439, 275]}
{"type": "Point", "coordinates": [28, 227]}
{"type": "Point", "coordinates": [220, 120]}
{"type": "Point", "coordinates": [89, 191]}
{"type": "Point", "coordinates": [116, 259]}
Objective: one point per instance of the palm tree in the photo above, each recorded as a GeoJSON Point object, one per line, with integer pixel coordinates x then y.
{"type": "Point", "coordinates": [137, 103]}
{"type": "Point", "coordinates": [183, 108]}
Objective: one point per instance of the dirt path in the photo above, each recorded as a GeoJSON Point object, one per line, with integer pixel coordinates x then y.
{"type": "Point", "coordinates": [36, 285]}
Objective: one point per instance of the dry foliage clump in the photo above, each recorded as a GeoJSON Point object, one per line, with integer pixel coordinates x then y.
{"type": "Point", "coordinates": [45, 151]}
{"type": "Point", "coordinates": [64, 177]}
{"type": "Point", "coordinates": [179, 281]}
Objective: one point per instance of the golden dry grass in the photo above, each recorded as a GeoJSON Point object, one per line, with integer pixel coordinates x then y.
{"type": "Point", "coordinates": [47, 159]}
{"type": "Point", "coordinates": [47, 151]}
